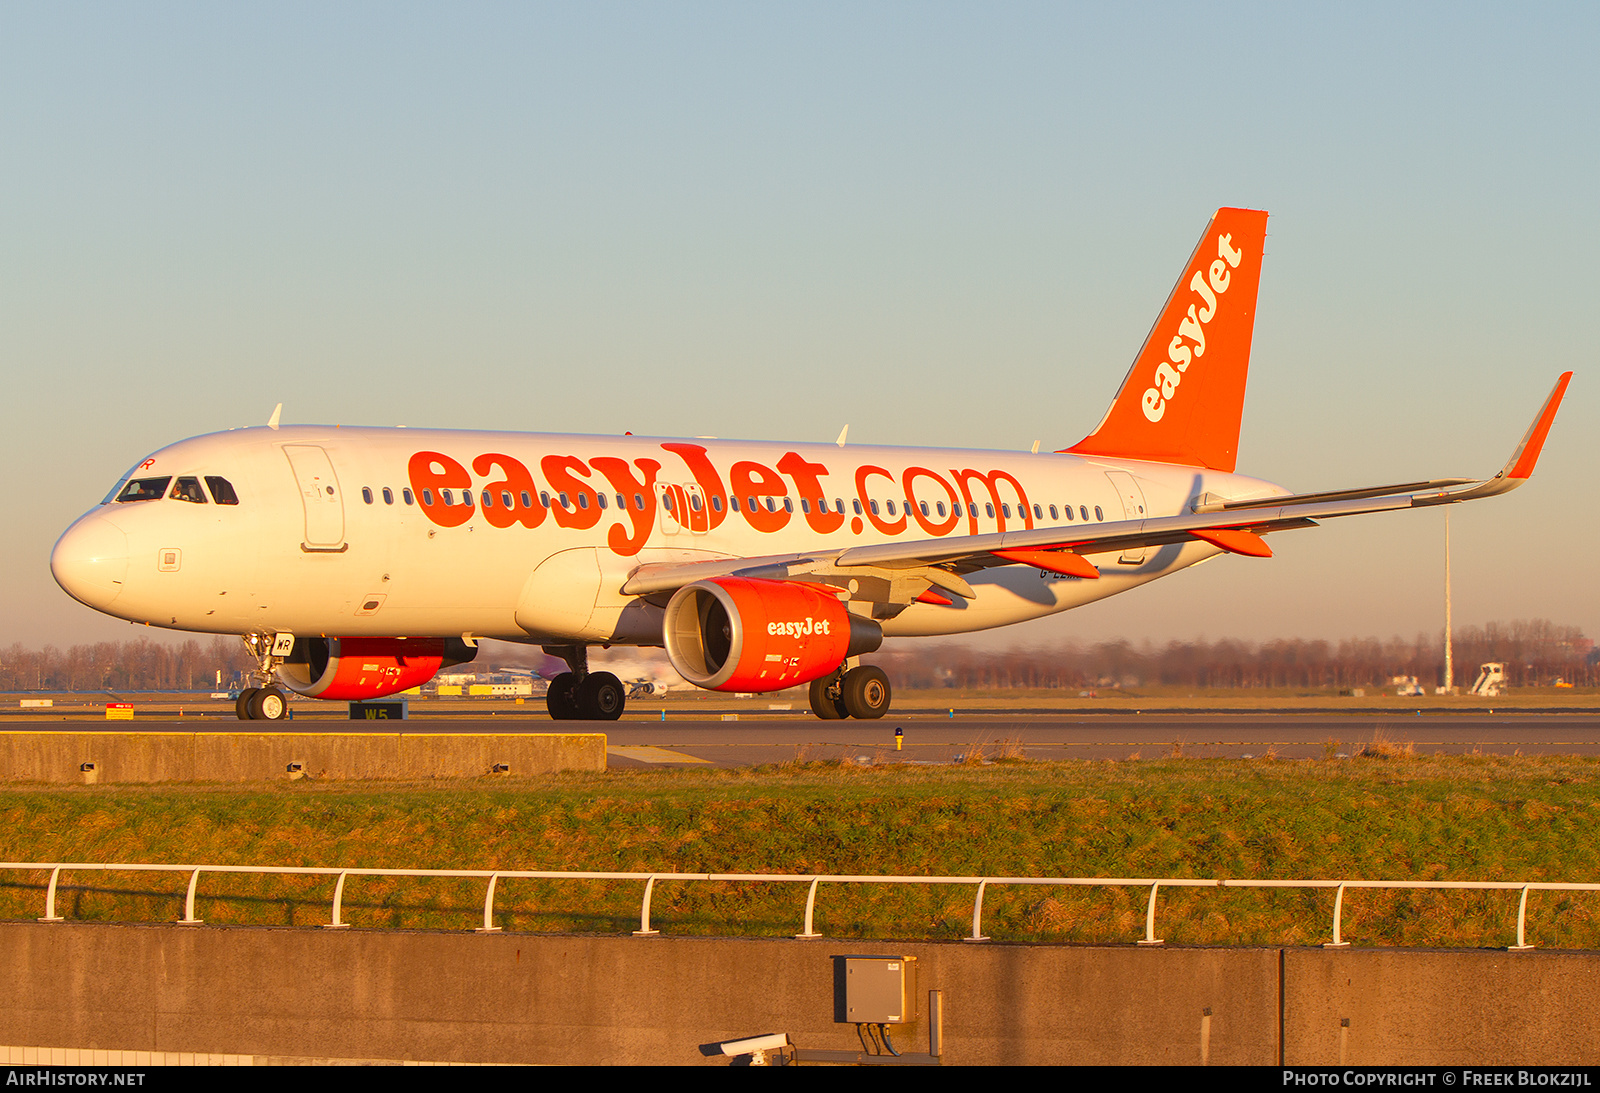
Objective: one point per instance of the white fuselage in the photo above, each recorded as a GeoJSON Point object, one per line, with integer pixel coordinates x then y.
{"type": "Point", "coordinates": [331, 536]}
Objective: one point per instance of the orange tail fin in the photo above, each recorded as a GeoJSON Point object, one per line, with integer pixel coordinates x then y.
{"type": "Point", "coordinates": [1182, 399]}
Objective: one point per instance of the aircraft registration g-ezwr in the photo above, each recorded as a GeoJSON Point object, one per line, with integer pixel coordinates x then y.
{"type": "Point", "coordinates": [356, 562]}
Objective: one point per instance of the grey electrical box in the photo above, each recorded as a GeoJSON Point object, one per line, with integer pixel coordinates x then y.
{"type": "Point", "coordinates": [875, 990]}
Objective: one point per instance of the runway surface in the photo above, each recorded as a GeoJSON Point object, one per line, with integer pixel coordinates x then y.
{"type": "Point", "coordinates": [753, 741]}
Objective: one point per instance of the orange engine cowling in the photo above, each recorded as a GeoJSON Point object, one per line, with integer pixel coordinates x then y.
{"type": "Point", "coordinates": [355, 669]}
{"type": "Point", "coordinates": [743, 634]}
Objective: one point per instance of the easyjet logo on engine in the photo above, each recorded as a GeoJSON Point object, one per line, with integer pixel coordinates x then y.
{"type": "Point", "coordinates": [1209, 285]}
{"type": "Point", "coordinates": [804, 628]}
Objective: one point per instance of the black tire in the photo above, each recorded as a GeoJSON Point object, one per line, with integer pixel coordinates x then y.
{"type": "Point", "coordinates": [560, 700]}
{"type": "Point", "coordinates": [823, 704]}
{"type": "Point", "coordinates": [269, 704]}
{"type": "Point", "coordinates": [601, 697]}
{"type": "Point", "coordinates": [242, 705]}
{"type": "Point", "coordinates": [866, 692]}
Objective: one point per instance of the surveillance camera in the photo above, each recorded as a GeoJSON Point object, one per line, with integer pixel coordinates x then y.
{"type": "Point", "coordinates": [756, 1047]}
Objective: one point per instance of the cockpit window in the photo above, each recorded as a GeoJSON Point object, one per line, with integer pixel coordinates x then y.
{"type": "Point", "coordinates": [144, 489]}
{"type": "Point", "coordinates": [188, 489]}
{"type": "Point", "coordinates": [221, 490]}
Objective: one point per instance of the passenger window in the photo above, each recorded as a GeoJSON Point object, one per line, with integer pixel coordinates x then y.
{"type": "Point", "coordinates": [444, 495]}
{"type": "Point", "coordinates": [666, 501]}
{"type": "Point", "coordinates": [891, 507]}
{"type": "Point", "coordinates": [466, 498]}
{"type": "Point", "coordinates": [638, 502]}
{"type": "Point", "coordinates": [427, 497]}
{"type": "Point", "coordinates": [1083, 511]}
{"type": "Point", "coordinates": [405, 493]}
{"type": "Point", "coordinates": [1054, 514]}
{"type": "Point", "coordinates": [989, 508]}
{"type": "Point", "coordinates": [1098, 515]}
{"type": "Point", "coordinates": [716, 504]}
{"type": "Point", "coordinates": [1038, 514]}
{"type": "Point", "coordinates": [221, 490]}
{"type": "Point", "coordinates": [622, 503]}
{"type": "Point", "coordinates": [366, 494]}
{"type": "Point", "coordinates": [1069, 512]}
{"type": "Point", "coordinates": [733, 503]}
{"type": "Point", "coordinates": [488, 501]}
{"type": "Point", "coordinates": [388, 495]}
{"type": "Point", "coordinates": [505, 498]}
{"type": "Point", "coordinates": [925, 509]}
{"type": "Point", "coordinates": [1005, 510]}
{"type": "Point", "coordinates": [788, 505]}
{"type": "Point", "coordinates": [751, 502]}
{"type": "Point", "coordinates": [188, 489]}
{"type": "Point", "coordinates": [527, 502]}
{"type": "Point", "coordinates": [874, 505]}
{"type": "Point", "coordinates": [144, 489]}
{"type": "Point", "coordinates": [838, 505]}
{"type": "Point", "coordinates": [600, 499]}
{"type": "Point", "coordinates": [856, 501]}
{"type": "Point", "coordinates": [544, 498]}
{"type": "Point", "coordinates": [940, 506]}
{"type": "Point", "coordinates": [694, 502]}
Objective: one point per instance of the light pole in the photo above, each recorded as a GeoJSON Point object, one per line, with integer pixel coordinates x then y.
{"type": "Point", "coordinates": [1449, 665]}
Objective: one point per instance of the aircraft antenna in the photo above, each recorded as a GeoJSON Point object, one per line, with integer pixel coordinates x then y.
{"type": "Point", "coordinates": [277, 412]}
{"type": "Point", "coordinates": [842, 434]}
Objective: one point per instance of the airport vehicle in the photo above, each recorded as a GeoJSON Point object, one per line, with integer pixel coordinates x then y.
{"type": "Point", "coordinates": [1491, 680]}
{"type": "Point", "coordinates": [356, 562]}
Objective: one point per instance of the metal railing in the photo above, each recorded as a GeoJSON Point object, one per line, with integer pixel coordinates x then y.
{"type": "Point", "coordinates": [808, 931]}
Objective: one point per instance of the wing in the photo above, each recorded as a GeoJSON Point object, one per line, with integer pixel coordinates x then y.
{"type": "Point", "coordinates": [902, 572]}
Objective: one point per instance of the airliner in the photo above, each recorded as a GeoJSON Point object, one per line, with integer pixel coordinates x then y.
{"type": "Point", "coordinates": [358, 562]}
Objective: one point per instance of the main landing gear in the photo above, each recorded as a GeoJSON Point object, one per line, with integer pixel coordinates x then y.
{"type": "Point", "coordinates": [265, 701]}
{"type": "Point", "coordinates": [582, 695]}
{"type": "Point", "coordinates": [861, 692]}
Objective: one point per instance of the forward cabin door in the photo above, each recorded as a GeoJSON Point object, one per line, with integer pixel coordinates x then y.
{"type": "Point", "coordinates": [320, 497]}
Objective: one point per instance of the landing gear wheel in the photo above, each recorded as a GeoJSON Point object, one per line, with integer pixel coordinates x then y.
{"type": "Point", "coordinates": [601, 697]}
{"type": "Point", "coordinates": [560, 699]}
{"type": "Point", "coordinates": [269, 704]}
{"type": "Point", "coordinates": [866, 692]}
{"type": "Point", "coordinates": [823, 704]}
{"type": "Point", "coordinates": [242, 706]}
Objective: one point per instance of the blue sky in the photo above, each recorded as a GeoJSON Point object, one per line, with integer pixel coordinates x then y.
{"type": "Point", "coordinates": [944, 224]}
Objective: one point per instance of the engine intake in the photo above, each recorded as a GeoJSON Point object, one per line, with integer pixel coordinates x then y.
{"type": "Point", "coordinates": [742, 634]}
{"type": "Point", "coordinates": [354, 669]}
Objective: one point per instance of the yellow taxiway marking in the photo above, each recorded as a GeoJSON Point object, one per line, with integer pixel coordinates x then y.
{"type": "Point", "coordinates": [647, 754]}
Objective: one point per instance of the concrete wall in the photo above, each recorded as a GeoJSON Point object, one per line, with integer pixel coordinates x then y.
{"type": "Point", "coordinates": [1430, 1008]}
{"type": "Point", "coordinates": [262, 756]}
{"type": "Point", "coordinates": [522, 998]}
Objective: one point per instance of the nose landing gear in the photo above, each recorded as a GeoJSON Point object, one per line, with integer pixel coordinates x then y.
{"type": "Point", "coordinates": [265, 701]}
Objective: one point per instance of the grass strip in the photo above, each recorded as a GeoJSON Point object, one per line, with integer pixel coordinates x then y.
{"type": "Point", "coordinates": [1388, 817]}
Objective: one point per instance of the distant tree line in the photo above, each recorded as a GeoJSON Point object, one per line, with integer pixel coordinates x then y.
{"type": "Point", "coordinates": [118, 666]}
{"type": "Point", "coordinates": [1535, 652]}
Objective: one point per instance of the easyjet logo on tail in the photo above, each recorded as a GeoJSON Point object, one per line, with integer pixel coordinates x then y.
{"type": "Point", "coordinates": [1209, 285]}
{"type": "Point", "coordinates": [1182, 399]}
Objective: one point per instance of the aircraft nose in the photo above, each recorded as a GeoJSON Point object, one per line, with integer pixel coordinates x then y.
{"type": "Point", "coordinates": [90, 561]}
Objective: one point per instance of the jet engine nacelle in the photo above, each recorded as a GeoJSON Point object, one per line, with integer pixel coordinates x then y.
{"type": "Point", "coordinates": [741, 634]}
{"type": "Point", "coordinates": [357, 669]}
